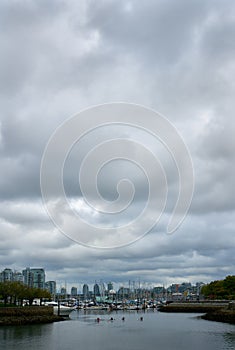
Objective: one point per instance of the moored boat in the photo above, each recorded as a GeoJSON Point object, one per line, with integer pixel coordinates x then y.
{"type": "Point", "coordinates": [60, 309]}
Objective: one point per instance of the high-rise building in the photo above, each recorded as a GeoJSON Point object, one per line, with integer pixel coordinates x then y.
{"type": "Point", "coordinates": [96, 290]}
{"type": "Point", "coordinates": [110, 286]}
{"type": "Point", "coordinates": [27, 277]}
{"type": "Point", "coordinates": [34, 277]}
{"type": "Point", "coordinates": [18, 277]}
{"type": "Point", "coordinates": [38, 278]}
{"type": "Point", "coordinates": [7, 275]}
{"type": "Point", "coordinates": [74, 291]}
{"type": "Point", "coordinates": [51, 287]}
{"type": "Point", "coordinates": [63, 291]}
{"type": "Point", "coordinates": [85, 291]}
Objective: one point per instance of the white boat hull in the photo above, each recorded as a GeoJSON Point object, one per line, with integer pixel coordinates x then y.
{"type": "Point", "coordinates": [63, 310]}
{"type": "Point", "coordinates": [60, 310]}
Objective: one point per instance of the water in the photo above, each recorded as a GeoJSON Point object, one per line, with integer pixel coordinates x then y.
{"type": "Point", "coordinates": [163, 331]}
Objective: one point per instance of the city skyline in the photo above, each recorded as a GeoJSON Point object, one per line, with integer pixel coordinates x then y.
{"type": "Point", "coordinates": [101, 292]}
{"type": "Point", "coordinates": [95, 287]}
{"type": "Point", "coordinates": [60, 58]}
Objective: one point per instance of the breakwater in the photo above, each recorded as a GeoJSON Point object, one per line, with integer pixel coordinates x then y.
{"type": "Point", "coordinates": [192, 307]}
{"type": "Point", "coordinates": [221, 312]}
{"type": "Point", "coordinates": [27, 315]}
{"type": "Point", "coordinates": [226, 314]}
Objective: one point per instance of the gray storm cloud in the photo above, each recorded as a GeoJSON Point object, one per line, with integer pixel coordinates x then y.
{"type": "Point", "coordinates": [58, 58]}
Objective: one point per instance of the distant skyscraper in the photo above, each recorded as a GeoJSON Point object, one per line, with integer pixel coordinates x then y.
{"type": "Point", "coordinates": [27, 277]}
{"type": "Point", "coordinates": [51, 287]}
{"type": "Point", "coordinates": [85, 291]}
{"type": "Point", "coordinates": [63, 291]}
{"type": "Point", "coordinates": [110, 286]}
{"type": "Point", "coordinates": [96, 290]}
{"type": "Point", "coordinates": [74, 291]}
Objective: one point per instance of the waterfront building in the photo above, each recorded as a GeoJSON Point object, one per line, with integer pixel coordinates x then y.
{"type": "Point", "coordinates": [183, 287]}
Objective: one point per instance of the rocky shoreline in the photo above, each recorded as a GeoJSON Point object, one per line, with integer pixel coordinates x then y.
{"type": "Point", "coordinates": [223, 315]}
{"type": "Point", "coordinates": [220, 312]}
{"type": "Point", "coordinates": [191, 307]}
{"type": "Point", "coordinates": [226, 314]}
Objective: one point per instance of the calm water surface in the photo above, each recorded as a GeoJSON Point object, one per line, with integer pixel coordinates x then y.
{"type": "Point", "coordinates": [156, 331]}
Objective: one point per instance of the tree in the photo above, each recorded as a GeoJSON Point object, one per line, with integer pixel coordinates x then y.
{"type": "Point", "coordinates": [16, 292]}
{"type": "Point", "coordinates": [223, 289]}
{"type": "Point", "coordinates": [5, 291]}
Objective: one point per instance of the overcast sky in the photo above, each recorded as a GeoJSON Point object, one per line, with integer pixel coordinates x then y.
{"type": "Point", "coordinates": [176, 57]}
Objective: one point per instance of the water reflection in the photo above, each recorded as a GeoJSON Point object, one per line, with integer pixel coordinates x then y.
{"type": "Point", "coordinates": [157, 330]}
{"type": "Point", "coordinates": [19, 335]}
{"type": "Point", "coordinates": [229, 340]}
